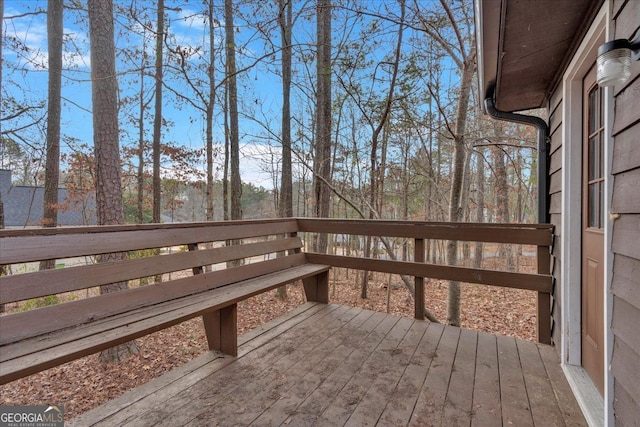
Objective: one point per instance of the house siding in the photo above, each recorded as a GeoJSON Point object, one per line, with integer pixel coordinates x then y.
{"type": "Point", "coordinates": [555, 209]}
{"type": "Point", "coordinates": [625, 201]}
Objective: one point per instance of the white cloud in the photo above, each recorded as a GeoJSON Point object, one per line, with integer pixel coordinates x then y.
{"type": "Point", "coordinates": [31, 32]}
{"type": "Point", "coordinates": [187, 18]}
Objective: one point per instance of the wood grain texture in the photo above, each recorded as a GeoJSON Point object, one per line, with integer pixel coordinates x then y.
{"type": "Point", "coordinates": [20, 287]}
{"type": "Point", "coordinates": [25, 325]}
{"type": "Point", "coordinates": [20, 248]}
{"type": "Point", "coordinates": [332, 365]}
{"type": "Point", "coordinates": [487, 407]}
{"type": "Point", "coordinates": [533, 234]}
{"type": "Point", "coordinates": [541, 283]}
{"type": "Point", "coordinates": [29, 356]}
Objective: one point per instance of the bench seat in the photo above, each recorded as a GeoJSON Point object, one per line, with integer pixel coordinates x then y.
{"type": "Point", "coordinates": [38, 339]}
{"type": "Point", "coordinates": [29, 355]}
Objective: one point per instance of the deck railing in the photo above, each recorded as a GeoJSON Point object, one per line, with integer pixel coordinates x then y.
{"type": "Point", "coordinates": [539, 235]}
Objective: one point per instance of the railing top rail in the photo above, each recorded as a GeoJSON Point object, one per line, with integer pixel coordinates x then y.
{"type": "Point", "coordinates": [28, 247]}
{"type": "Point", "coordinates": [47, 231]}
{"type": "Point", "coordinates": [530, 234]}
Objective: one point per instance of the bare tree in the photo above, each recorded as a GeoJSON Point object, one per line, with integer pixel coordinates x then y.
{"type": "Point", "coordinates": [285, 202]}
{"type": "Point", "coordinates": [377, 174]}
{"type": "Point", "coordinates": [52, 168]}
{"type": "Point", "coordinates": [234, 138]}
{"type": "Point", "coordinates": [104, 95]}
{"type": "Point", "coordinates": [462, 52]}
{"type": "Point", "coordinates": [157, 120]}
{"type": "Point", "coordinates": [502, 194]}
{"type": "Point", "coordinates": [322, 160]}
{"type": "Point", "coordinates": [211, 71]}
{"type": "Point", "coordinates": [479, 247]}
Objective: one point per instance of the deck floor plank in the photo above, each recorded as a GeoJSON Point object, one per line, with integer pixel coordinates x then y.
{"type": "Point", "coordinates": [487, 410]}
{"type": "Point", "coordinates": [515, 403]}
{"type": "Point", "coordinates": [543, 408]}
{"type": "Point", "coordinates": [232, 401]}
{"type": "Point", "coordinates": [561, 389]}
{"type": "Point", "coordinates": [285, 374]}
{"type": "Point", "coordinates": [308, 412]}
{"type": "Point", "coordinates": [329, 365]}
{"type": "Point", "coordinates": [118, 411]}
{"type": "Point", "coordinates": [307, 382]}
{"type": "Point", "coordinates": [459, 401]}
{"type": "Point", "coordinates": [399, 407]}
{"type": "Point", "coordinates": [178, 409]}
{"type": "Point", "coordinates": [370, 408]}
{"type": "Point", "coordinates": [343, 405]}
{"type": "Point", "coordinates": [431, 399]}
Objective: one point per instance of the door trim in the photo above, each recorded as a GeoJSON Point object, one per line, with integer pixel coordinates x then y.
{"type": "Point", "coordinates": [570, 265]}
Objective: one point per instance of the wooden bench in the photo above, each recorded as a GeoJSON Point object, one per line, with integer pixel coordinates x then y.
{"type": "Point", "coordinates": [208, 279]}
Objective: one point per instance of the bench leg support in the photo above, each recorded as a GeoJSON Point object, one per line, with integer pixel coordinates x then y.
{"type": "Point", "coordinates": [221, 327]}
{"type": "Point", "coordinates": [316, 288]}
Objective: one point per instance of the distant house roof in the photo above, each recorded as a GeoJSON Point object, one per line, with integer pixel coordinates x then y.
{"type": "Point", "coordinates": [23, 205]}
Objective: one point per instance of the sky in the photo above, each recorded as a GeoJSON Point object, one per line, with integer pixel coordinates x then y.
{"type": "Point", "coordinates": [25, 78]}
{"type": "Point", "coordinates": [25, 75]}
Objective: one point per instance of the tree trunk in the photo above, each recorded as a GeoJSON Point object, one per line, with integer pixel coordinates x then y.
{"type": "Point", "coordinates": [157, 120]}
{"type": "Point", "coordinates": [376, 178]}
{"type": "Point", "coordinates": [322, 159]}
{"type": "Point", "coordinates": [285, 205]}
{"type": "Point", "coordinates": [225, 172]}
{"type": "Point", "coordinates": [141, 145]}
{"type": "Point", "coordinates": [464, 202]}
{"type": "Point", "coordinates": [104, 95]}
{"type": "Point", "coordinates": [502, 198]}
{"type": "Point", "coordinates": [234, 139]}
{"type": "Point", "coordinates": [52, 169]}
{"type": "Point", "coordinates": [453, 301]}
{"type": "Point", "coordinates": [209, 113]}
{"type": "Point", "coordinates": [478, 255]}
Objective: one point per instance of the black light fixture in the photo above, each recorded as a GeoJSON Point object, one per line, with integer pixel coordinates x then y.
{"type": "Point", "coordinates": [614, 61]}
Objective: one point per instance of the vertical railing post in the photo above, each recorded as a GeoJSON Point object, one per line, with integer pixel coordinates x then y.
{"type": "Point", "coordinates": [418, 256]}
{"type": "Point", "coordinates": [544, 298]}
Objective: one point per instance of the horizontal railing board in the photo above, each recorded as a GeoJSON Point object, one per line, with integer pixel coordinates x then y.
{"type": "Point", "coordinates": [532, 282]}
{"type": "Point", "coordinates": [19, 287]}
{"type": "Point", "coordinates": [21, 249]}
{"type": "Point", "coordinates": [44, 320]}
{"type": "Point", "coordinates": [213, 300]}
{"type": "Point", "coordinates": [528, 234]}
{"type": "Point", "coordinates": [83, 229]}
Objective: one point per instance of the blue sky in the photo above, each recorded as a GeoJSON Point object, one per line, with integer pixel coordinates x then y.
{"type": "Point", "coordinates": [25, 78]}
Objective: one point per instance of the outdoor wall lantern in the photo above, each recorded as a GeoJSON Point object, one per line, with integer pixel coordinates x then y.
{"type": "Point", "coordinates": [614, 61]}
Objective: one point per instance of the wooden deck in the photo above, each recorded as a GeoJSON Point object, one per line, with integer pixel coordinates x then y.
{"type": "Point", "coordinates": [334, 365]}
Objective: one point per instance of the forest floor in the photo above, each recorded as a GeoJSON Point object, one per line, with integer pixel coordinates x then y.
{"type": "Point", "coordinates": [85, 383]}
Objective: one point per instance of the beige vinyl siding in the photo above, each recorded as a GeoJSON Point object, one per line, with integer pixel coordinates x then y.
{"type": "Point", "coordinates": [625, 202]}
{"type": "Point", "coordinates": [555, 208]}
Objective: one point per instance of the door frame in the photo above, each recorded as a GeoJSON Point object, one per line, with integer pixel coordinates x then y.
{"type": "Point", "coordinates": [596, 409]}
